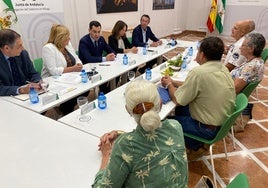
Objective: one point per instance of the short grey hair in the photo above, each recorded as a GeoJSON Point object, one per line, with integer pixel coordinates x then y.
{"type": "Point", "coordinates": [140, 92]}
{"type": "Point", "coordinates": [257, 42]}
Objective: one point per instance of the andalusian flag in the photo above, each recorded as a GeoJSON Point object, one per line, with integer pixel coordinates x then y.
{"type": "Point", "coordinates": [212, 16]}
{"type": "Point", "coordinates": [220, 15]}
{"type": "Point", "coordinates": [7, 14]}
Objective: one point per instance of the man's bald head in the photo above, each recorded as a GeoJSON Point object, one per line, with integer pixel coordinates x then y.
{"type": "Point", "coordinates": [241, 28]}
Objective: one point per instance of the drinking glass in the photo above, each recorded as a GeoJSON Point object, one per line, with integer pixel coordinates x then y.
{"type": "Point", "coordinates": [82, 102]}
{"type": "Point", "coordinates": [131, 75]}
{"type": "Point", "coordinates": [93, 68]}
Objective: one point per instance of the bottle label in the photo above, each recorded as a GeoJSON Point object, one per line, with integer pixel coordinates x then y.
{"type": "Point", "coordinates": [102, 104]}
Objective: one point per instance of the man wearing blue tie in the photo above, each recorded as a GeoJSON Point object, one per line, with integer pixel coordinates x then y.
{"type": "Point", "coordinates": [16, 68]}
{"type": "Point", "coordinates": [92, 46]}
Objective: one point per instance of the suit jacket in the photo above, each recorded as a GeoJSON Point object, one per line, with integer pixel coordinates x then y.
{"type": "Point", "coordinates": [26, 71]}
{"type": "Point", "coordinates": [137, 38]}
{"type": "Point", "coordinates": [113, 42]}
{"type": "Point", "coordinates": [87, 51]}
{"type": "Point", "coordinates": [54, 61]}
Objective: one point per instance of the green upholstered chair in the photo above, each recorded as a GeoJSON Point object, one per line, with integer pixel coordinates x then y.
{"type": "Point", "coordinates": [264, 54]}
{"type": "Point", "coordinates": [241, 103]}
{"type": "Point", "coordinates": [38, 65]}
{"type": "Point", "coordinates": [241, 180]}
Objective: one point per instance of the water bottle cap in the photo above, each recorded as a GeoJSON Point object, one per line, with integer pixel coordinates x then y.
{"type": "Point", "coordinates": [101, 93]}
{"type": "Point", "coordinates": [83, 70]}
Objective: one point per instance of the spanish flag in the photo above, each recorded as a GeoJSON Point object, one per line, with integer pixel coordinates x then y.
{"type": "Point", "coordinates": [212, 16]}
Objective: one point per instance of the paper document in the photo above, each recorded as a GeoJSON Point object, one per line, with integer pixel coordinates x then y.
{"type": "Point", "coordinates": [69, 78]}
{"type": "Point", "coordinates": [59, 89]}
{"type": "Point", "coordinates": [25, 97]}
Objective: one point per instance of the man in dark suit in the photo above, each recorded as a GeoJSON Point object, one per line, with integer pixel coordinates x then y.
{"type": "Point", "coordinates": [16, 68]}
{"type": "Point", "coordinates": [142, 33]}
{"type": "Point", "coordinates": [92, 46]}
{"type": "Point", "coordinates": [140, 36]}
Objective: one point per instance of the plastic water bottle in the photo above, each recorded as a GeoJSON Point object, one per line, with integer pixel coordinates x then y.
{"type": "Point", "coordinates": [33, 95]}
{"type": "Point", "coordinates": [172, 42]}
{"type": "Point", "coordinates": [148, 74]}
{"type": "Point", "coordinates": [125, 59]}
{"type": "Point", "coordinates": [190, 51]}
{"type": "Point", "coordinates": [84, 77]}
{"type": "Point", "coordinates": [144, 50]}
{"type": "Point", "coordinates": [184, 63]}
{"type": "Point", "coordinates": [102, 103]}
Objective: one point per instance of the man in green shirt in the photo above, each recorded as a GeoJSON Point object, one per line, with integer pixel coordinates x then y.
{"type": "Point", "coordinates": [207, 97]}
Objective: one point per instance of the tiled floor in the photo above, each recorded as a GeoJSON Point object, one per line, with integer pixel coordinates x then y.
{"type": "Point", "coordinates": [251, 153]}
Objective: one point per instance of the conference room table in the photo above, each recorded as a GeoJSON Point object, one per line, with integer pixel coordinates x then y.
{"type": "Point", "coordinates": [37, 151]}
{"type": "Point", "coordinates": [69, 85]}
{"type": "Point", "coordinates": [115, 117]}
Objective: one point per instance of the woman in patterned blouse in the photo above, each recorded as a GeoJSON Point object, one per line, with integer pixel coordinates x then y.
{"type": "Point", "coordinates": [252, 69]}
{"type": "Point", "coordinates": [152, 155]}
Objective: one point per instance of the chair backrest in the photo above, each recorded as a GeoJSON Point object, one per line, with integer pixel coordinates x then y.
{"type": "Point", "coordinates": [250, 87]}
{"type": "Point", "coordinates": [241, 180]}
{"type": "Point", "coordinates": [38, 65]}
{"type": "Point", "coordinates": [241, 103]}
{"type": "Point", "coordinates": [264, 54]}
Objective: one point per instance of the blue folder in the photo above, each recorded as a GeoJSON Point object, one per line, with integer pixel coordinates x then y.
{"type": "Point", "coordinates": [164, 94]}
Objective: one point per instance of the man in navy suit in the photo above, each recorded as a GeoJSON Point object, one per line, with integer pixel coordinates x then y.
{"type": "Point", "coordinates": [140, 36]}
{"type": "Point", "coordinates": [16, 68]}
{"type": "Point", "coordinates": [142, 33]}
{"type": "Point", "coordinates": [92, 45]}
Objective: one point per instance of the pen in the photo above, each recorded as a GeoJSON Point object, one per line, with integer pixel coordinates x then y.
{"type": "Point", "coordinates": [104, 64]}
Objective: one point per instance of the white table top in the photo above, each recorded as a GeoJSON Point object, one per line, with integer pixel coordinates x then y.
{"type": "Point", "coordinates": [115, 117]}
{"type": "Point", "coordinates": [107, 73]}
{"type": "Point", "coordinates": [39, 152]}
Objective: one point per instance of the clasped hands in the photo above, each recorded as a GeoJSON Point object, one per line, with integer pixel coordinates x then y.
{"type": "Point", "coordinates": [157, 43]}
{"type": "Point", "coordinates": [106, 142]}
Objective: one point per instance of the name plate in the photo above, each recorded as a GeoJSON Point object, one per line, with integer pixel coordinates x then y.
{"type": "Point", "coordinates": [87, 108]}
{"type": "Point", "coordinates": [95, 78]}
{"type": "Point", "coordinates": [133, 62]}
{"type": "Point", "coordinates": [49, 97]}
{"type": "Point", "coordinates": [162, 67]}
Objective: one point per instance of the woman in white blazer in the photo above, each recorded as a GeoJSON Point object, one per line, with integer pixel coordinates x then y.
{"type": "Point", "coordinates": [59, 57]}
{"type": "Point", "coordinates": [58, 54]}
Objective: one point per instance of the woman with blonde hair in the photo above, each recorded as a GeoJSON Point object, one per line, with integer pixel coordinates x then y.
{"type": "Point", "coordinates": [58, 53]}
{"type": "Point", "coordinates": [152, 155]}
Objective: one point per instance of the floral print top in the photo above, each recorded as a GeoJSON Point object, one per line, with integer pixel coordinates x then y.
{"type": "Point", "coordinates": [249, 71]}
{"type": "Point", "coordinates": [147, 159]}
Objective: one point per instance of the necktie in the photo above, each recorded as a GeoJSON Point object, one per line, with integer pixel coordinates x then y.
{"type": "Point", "coordinates": [96, 44]}
{"type": "Point", "coordinates": [15, 71]}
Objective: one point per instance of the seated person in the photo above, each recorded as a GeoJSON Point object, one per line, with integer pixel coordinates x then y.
{"type": "Point", "coordinates": [118, 40]}
{"type": "Point", "coordinates": [253, 68]}
{"type": "Point", "coordinates": [92, 46]}
{"type": "Point", "coordinates": [16, 68]}
{"type": "Point", "coordinates": [240, 29]}
{"type": "Point", "coordinates": [59, 57]}
{"type": "Point", "coordinates": [206, 98]}
{"type": "Point", "coordinates": [58, 54]}
{"type": "Point", "coordinates": [152, 155]}
{"type": "Point", "coordinates": [140, 36]}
